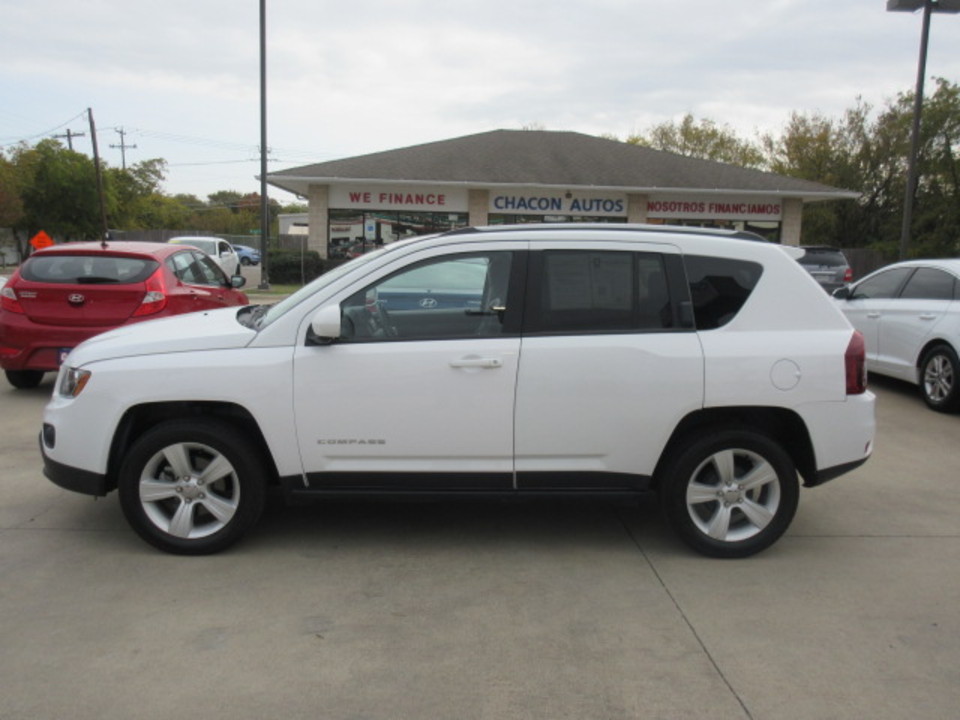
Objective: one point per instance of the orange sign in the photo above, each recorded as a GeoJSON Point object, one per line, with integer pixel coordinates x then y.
{"type": "Point", "coordinates": [41, 240]}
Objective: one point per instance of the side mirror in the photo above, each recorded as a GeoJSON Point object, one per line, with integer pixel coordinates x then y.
{"type": "Point", "coordinates": [325, 324]}
{"type": "Point", "coordinates": [237, 281]}
{"type": "Point", "coordinates": [842, 293]}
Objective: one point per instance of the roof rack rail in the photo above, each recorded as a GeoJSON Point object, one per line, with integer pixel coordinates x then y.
{"type": "Point", "coordinates": [614, 227]}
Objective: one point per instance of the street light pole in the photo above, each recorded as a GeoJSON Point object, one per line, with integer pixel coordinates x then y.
{"type": "Point", "coordinates": [928, 6]}
{"type": "Point", "coordinates": [264, 203]}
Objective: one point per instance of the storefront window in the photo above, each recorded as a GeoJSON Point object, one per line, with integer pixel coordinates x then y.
{"type": "Point", "coordinates": [354, 232]}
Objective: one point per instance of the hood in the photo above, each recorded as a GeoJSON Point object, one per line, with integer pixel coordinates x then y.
{"type": "Point", "coordinates": [205, 330]}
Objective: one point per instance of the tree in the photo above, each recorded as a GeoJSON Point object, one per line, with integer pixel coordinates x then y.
{"type": "Point", "coordinates": [936, 216]}
{"type": "Point", "coordinates": [701, 139]}
{"type": "Point", "coordinates": [137, 190]}
{"type": "Point", "coordinates": [11, 205]}
{"type": "Point", "coordinates": [869, 155]}
{"type": "Point", "coordinates": [58, 189]}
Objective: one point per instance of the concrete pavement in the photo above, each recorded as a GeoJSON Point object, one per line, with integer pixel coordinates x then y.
{"type": "Point", "coordinates": [490, 610]}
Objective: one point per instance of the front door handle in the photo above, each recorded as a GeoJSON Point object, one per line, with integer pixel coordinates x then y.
{"type": "Point", "coordinates": [475, 361]}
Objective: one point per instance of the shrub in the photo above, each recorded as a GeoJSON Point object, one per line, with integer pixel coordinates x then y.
{"type": "Point", "coordinates": [292, 267]}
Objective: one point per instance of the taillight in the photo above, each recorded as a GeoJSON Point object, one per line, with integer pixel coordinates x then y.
{"type": "Point", "coordinates": [155, 299]}
{"type": "Point", "coordinates": [9, 300]}
{"type": "Point", "coordinates": [855, 361]}
{"type": "Point", "coordinates": [848, 275]}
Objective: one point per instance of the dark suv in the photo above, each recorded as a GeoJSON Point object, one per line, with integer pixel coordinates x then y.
{"type": "Point", "coordinates": [827, 265]}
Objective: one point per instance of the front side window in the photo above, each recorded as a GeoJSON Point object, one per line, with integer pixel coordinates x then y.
{"type": "Point", "coordinates": [929, 284]}
{"type": "Point", "coordinates": [458, 296]}
{"type": "Point", "coordinates": [599, 291]}
{"type": "Point", "coordinates": [881, 286]}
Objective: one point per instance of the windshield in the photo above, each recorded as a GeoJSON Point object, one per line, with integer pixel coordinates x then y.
{"type": "Point", "coordinates": [277, 310]}
{"type": "Point", "coordinates": [87, 269]}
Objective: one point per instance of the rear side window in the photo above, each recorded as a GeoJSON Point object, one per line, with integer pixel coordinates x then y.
{"type": "Point", "coordinates": [599, 291]}
{"type": "Point", "coordinates": [929, 284]}
{"type": "Point", "coordinates": [195, 268]}
{"type": "Point", "coordinates": [87, 269]}
{"type": "Point", "coordinates": [719, 287]}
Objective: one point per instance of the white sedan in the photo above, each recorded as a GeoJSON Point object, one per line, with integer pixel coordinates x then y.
{"type": "Point", "coordinates": [909, 314]}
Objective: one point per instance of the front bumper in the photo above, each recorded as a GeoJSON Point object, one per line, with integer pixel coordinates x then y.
{"type": "Point", "coordinates": [71, 478]}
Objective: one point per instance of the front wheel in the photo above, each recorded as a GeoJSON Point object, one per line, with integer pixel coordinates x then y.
{"type": "Point", "coordinates": [192, 487]}
{"type": "Point", "coordinates": [731, 494]}
{"type": "Point", "coordinates": [938, 378]}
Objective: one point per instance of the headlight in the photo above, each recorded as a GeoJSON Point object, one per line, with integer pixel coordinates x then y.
{"type": "Point", "coordinates": [73, 381]}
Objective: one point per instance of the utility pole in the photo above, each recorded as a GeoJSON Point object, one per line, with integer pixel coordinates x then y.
{"type": "Point", "coordinates": [96, 165]}
{"type": "Point", "coordinates": [123, 147]}
{"type": "Point", "coordinates": [69, 135]}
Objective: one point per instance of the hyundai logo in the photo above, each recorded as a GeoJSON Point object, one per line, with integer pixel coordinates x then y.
{"type": "Point", "coordinates": [428, 303]}
{"type": "Point", "coordinates": [76, 299]}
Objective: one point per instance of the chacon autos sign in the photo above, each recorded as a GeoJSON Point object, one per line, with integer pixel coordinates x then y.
{"type": "Point", "coordinates": [540, 202]}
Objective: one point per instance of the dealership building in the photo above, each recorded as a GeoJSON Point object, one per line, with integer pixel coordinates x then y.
{"type": "Point", "coordinates": [523, 176]}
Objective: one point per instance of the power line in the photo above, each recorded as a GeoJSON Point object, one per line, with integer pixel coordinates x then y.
{"type": "Point", "coordinates": [10, 140]}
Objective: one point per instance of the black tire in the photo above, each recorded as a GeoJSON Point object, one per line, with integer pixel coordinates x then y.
{"type": "Point", "coordinates": [24, 379]}
{"type": "Point", "coordinates": [938, 378]}
{"type": "Point", "coordinates": [178, 509]}
{"type": "Point", "coordinates": [704, 493]}
{"type": "Point", "coordinates": [245, 261]}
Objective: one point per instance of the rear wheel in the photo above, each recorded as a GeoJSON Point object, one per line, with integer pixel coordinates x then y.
{"type": "Point", "coordinates": [938, 378]}
{"type": "Point", "coordinates": [731, 494]}
{"type": "Point", "coordinates": [192, 487]}
{"type": "Point", "coordinates": [24, 379]}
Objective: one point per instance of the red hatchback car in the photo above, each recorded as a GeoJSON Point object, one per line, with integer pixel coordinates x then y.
{"type": "Point", "coordinates": [64, 294]}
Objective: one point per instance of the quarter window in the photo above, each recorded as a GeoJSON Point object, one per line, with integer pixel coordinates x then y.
{"type": "Point", "coordinates": [719, 287]}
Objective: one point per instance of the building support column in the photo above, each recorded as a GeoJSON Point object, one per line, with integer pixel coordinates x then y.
{"type": "Point", "coordinates": [791, 221]}
{"type": "Point", "coordinates": [319, 219]}
{"type": "Point", "coordinates": [478, 207]}
{"type": "Point", "coordinates": [637, 208]}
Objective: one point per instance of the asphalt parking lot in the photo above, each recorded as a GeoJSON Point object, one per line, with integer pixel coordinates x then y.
{"type": "Point", "coordinates": [491, 610]}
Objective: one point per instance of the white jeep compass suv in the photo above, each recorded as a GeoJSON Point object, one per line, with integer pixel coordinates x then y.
{"type": "Point", "coordinates": [538, 360]}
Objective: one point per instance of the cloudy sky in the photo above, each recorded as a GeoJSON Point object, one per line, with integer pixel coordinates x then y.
{"type": "Point", "coordinates": [181, 78]}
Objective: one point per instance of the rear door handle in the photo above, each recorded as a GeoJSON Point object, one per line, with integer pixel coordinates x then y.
{"type": "Point", "coordinates": [928, 316]}
{"type": "Point", "coordinates": [873, 315]}
{"type": "Point", "coordinates": [473, 361]}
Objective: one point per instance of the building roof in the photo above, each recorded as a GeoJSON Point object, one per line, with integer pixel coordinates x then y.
{"type": "Point", "coordinates": [550, 159]}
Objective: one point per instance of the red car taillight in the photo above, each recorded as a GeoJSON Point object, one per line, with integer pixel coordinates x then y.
{"type": "Point", "coordinates": [848, 275]}
{"type": "Point", "coordinates": [9, 300]}
{"type": "Point", "coordinates": [155, 299]}
{"type": "Point", "coordinates": [855, 361]}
